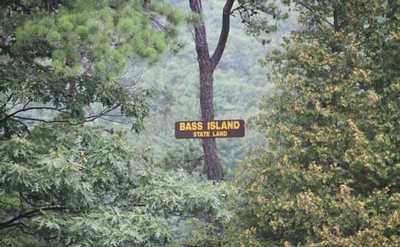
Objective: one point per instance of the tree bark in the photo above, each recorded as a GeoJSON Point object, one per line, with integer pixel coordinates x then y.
{"type": "Point", "coordinates": [207, 66]}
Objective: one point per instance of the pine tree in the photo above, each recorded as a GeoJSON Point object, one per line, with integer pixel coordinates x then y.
{"type": "Point", "coordinates": [61, 56]}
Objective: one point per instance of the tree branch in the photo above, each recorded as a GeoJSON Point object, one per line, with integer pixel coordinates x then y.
{"type": "Point", "coordinates": [223, 37]}
{"type": "Point", "coordinates": [112, 120]}
{"type": "Point", "coordinates": [7, 100]}
{"type": "Point", "coordinates": [309, 8]}
{"type": "Point", "coordinates": [87, 119]}
{"type": "Point", "coordinates": [26, 128]}
{"type": "Point", "coordinates": [30, 214]}
{"type": "Point", "coordinates": [32, 108]}
{"type": "Point", "coordinates": [238, 8]}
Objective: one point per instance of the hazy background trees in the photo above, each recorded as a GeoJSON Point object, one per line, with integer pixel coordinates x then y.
{"type": "Point", "coordinates": [240, 81]}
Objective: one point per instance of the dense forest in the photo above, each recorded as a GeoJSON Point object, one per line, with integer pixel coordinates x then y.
{"type": "Point", "coordinates": [91, 92]}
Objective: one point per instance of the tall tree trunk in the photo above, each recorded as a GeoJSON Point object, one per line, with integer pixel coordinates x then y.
{"type": "Point", "coordinates": [207, 66]}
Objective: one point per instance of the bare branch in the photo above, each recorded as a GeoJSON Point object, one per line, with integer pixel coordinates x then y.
{"type": "Point", "coordinates": [40, 120]}
{"type": "Point", "coordinates": [223, 37]}
{"type": "Point", "coordinates": [24, 108]}
{"type": "Point", "coordinates": [113, 121]}
{"type": "Point", "coordinates": [87, 119]}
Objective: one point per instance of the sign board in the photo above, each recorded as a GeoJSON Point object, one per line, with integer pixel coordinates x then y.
{"type": "Point", "coordinates": [209, 129]}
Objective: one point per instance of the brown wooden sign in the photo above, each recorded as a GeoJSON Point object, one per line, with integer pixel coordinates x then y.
{"type": "Point", "coordinates": [210, 129]}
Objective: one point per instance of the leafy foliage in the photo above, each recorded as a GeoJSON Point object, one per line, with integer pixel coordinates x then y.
{"type": "Point", "coordinates": [63, 181]}
{"type": "Point", "coordinates": [76, 187]}
{"type": "Point", "coordinates": [329, 176]}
